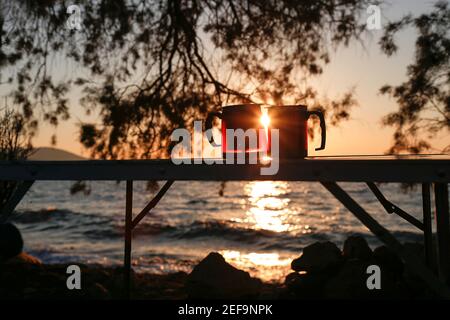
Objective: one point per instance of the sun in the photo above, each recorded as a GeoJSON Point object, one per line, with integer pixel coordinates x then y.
{"type": "Point", "coordinates": [265, 120]}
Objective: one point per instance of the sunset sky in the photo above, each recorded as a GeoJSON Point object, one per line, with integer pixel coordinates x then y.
{"type": "Point", "coordinates": [366, 69]}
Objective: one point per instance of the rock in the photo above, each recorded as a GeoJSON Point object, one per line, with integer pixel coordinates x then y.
{"type": "Point", "coordinates": [350, 282]}
{"type": "Point", "coordinates": [214, 278]}
{"type": "Point", "coordinates": [11, 242]}
{"type": "Point", "coordinates": [291, 278]}
{"type": "Point", "coordinates": [306, 285]}
{"type": "Point", "coordinates": [356, 247]}
{"type": "Point", "coordinates": [53, 280]}
{"type": "Point", "coordinates": [392, 271]}
{"type": "Point", "coordinates": [97, 291]}
{"type": "Point", "coordinates": [28, 291]}
{"type": "Point", "coordinates": [23, 258]}
{"type": "Point", "coordinates": [318, 257]}
{"type": "Point", "coordinates": [414, 285]}
{"type": "Point", "coordinates": [389, 263]}
{"type": "Point", "coordinates": [415, 248]}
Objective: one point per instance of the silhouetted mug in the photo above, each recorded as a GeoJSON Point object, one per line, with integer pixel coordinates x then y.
{"type": "Point", "coordinates": [244, 116]}
{"type": "Point", "coordinates": [291, 121]}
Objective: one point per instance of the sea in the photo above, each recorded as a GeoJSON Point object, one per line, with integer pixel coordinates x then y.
{"type": "Point", "coordinates": [258, 226]}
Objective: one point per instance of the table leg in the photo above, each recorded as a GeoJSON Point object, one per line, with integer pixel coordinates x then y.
{"type": "Point", "coordinates": [442, 229]}
{"type": "Point", "coordinates": [11, 204]}
{"type": "Point", "coordinates": [427, 227]}
{"type": "Point", "coordinates": [128, 231]}
{"type": "Point", "coordinates": [412, 262]}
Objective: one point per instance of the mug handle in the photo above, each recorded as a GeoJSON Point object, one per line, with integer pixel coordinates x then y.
{"type": "Point", "coordinates": [322, 127]}
{"type": "Point", "coordinates": [209, 125]}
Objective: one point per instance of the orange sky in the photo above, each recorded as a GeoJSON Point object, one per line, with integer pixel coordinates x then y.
{"type": "Point", "coordinates": [366, 69]}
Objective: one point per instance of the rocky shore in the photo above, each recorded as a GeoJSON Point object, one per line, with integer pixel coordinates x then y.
{"type": "Point", "coordinates": [322, 271]}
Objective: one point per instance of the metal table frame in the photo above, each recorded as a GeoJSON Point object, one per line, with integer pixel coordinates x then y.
{"type": "Point", "coordinates": [427, 170]}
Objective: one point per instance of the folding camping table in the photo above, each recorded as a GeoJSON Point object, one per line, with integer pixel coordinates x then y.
{"type": "Point", "coordinates": [432, 172]}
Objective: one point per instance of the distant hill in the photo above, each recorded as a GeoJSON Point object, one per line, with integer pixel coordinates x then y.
{"type": "Point", "coordinates": [46, 153]}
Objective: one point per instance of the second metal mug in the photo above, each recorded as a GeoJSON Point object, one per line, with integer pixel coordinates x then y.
{"type": "Point", "coordinates": [291, 121]}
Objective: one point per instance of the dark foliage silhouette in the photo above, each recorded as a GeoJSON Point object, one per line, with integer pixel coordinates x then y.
{"type": "Point", "coordinates": [424, 98]}
{"type": "Point", "coordinates": [13, 146]}
{"type": "Point", "coordinates": [148, 67]}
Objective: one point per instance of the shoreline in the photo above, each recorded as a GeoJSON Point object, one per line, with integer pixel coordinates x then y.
{"type": "Point", "coordinates": [322, 271]}
{"type": "Point", "coordinates": [48, 281]}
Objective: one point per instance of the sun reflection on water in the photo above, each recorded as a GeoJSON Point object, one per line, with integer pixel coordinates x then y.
{"type": "Point", "coordinates": [266, 207]}
{"type": "Point", "coordinates": [266, 266]}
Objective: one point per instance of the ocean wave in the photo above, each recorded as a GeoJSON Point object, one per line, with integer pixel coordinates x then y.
{"type": "Point", "coordinates": [258, 238]}
{"type": "Point", "coordinates": [93, 226]}
{"type": "Point", "coordinates": [197, 201]}
{"type": "Point", "coordinates": [43, 215]}
{"type": "Point", "coordinates": [50, 215]}
{"type": "Point", "coordinates": [55, 221]}
{"type": "Point", "coordinates": [221, 229]}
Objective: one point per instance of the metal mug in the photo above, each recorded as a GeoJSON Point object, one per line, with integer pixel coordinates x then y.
{"type": "Point", "coordinates": [291, 121]}
{"type": "Point", "coordinates": [244, 116]}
